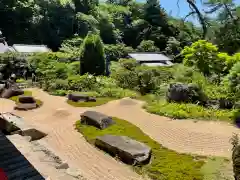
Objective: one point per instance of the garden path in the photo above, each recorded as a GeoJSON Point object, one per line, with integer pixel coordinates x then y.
{"type": "Point", "coordinates": [57, 118]}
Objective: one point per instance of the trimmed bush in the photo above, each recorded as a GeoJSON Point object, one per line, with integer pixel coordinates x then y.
{"type": "Point", "coordinates": [92, 58]}
{"type": "Point", "coordinates": [117, 93]}
{"type": "Point", "coordinates": [85, 82]}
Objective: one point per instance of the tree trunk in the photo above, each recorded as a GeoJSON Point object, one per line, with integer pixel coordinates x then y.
{"type": "Point", "coordinates": [200, 17]}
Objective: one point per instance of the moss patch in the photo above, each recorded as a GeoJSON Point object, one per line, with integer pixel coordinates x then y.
{"type": "Point", "coordinates": [26, 93]}
{"type": "Point", "coordinates": [188, 111]}
{"type": "Point", "coordinates": [217, 168]}
{"type": "Point", "coordinates": [99, 102]}
{"type": "Point", "coordinates": [166, 164]}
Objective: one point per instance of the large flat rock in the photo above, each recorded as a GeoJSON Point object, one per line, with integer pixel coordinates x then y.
{"type": "Point", "coordinates": [128, 150]}
{"type": "Point", "coordinates": [12, 123]}
{"type": "Point", "coordinates": [96, 119]}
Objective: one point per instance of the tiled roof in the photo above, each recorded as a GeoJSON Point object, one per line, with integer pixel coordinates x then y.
{"type": "Point", "coordinates": [24, 48]}
{"type": "Point", "coordinates": [149, 57]}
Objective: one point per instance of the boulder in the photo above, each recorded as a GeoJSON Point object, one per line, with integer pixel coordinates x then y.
{"type": "Point", "coordinates": [25, 106]}
{"type": "Point", "coordinates": [128, 150]}
{"type": "Point", "coordinates": [7, 93]}
{"type": "Point", "coordinates": [179, 92]}
{"type": "Point", "coordinates": [26, 99]}
{"type": "Point", "coordinates": [96, 119]}
{"type": "Point", "coordinates": [78, 97]}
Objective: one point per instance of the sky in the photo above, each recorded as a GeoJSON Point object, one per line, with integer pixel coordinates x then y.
{"type": "Point", "coordinates": [171, 7]}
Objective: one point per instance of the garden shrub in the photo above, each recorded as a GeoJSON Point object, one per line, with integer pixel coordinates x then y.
{"type": "Point", "coordinates": [183, 73]}
{"type": "Point", "coordinates": [85, 82]}
{"type": "Point", "coordinates": [125, 78]}
{"type": "Point", "coordinates": [143, 79]}
{"type": "Point", "coordinates": [115, 52]}
{"type": "Point", "coordinates": [59, 92]}
{"type": "Point", "coordinates": [117, 93]}
{"type": "Point", "coordinates": [147, 46]}
{"type": "Point", "coordinates": [232, 80]}
{"type": "Point", "coordinates": [59, 84]}
{"type": "Point", "coordinates": [232, 60]}
{"type": "Point", "coordinates": [150, 78]}
{"type": "Point", "coordinates": [129, 64]}
{"type": "Point", "coordinates": [47, 67]}
{"type": "Point", "coordinates": [92, 58]}
{"type": "Point", "coordinates": [106, 82]}
{"type": "Point", "coordinates": [203, 56]}
{"type": "Point", "coordinates": [188, 111]}
{"type": "Point", "coordinates": [228, 60]}
{"type": "Point", "coordinates": [74, 68]}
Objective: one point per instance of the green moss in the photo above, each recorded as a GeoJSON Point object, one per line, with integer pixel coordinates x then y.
{"type": "Point", "coordinates": [26, 93]}
{"type": "Point", "coordinates": [165, 164]}
{"type": "Point", "coordinates": [217, 168]}
{"type": "Point", "coordinates": [188, 111]}
{"type": "Point", "coordinates": [99, 102]}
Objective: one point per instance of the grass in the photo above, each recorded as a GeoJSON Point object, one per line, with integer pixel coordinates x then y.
{"type": "Point", "coordinates": [217, 168]}
{"type": "Point", "coordinates": [99, 101]}
{"type": "Point", "coordinates": [187, 111]}
{"type": "Point", "coordinates": [26, 93]}
{"type": "Point", "coordinates": [165, 164]}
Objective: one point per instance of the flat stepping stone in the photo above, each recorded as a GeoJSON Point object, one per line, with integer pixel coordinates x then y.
{"type": "Point", "coordinates": [128, 150]}
{"type": "Point", "coordinates": [78, 97]}
{"type": "Point", "coordinates": [14, 124]}
{"type": "Point", "coordinates": [26, 106]}
{"type": "Point", "coordinates": [26, 99]}
{"type": "Point", "coordinates": [96, 119]}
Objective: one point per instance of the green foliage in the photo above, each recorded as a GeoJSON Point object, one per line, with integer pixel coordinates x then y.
{"type": "Point", "coordinates": [217, 168]}
{"type": "Point", "coordinates": [72, 46]}
{"type": "Point", "coordinates": [59, 84]}
{"type": "Point", "coordinates": [231, 60]}
{"type": "Point", "coordinates": [188, 111]}
{"type": "Point", "coordinates": [142, 78]}
{"type": "Point", "coordinates": [173, 47]}
{"type": "Point", "coordinates": [147, 46]}
{"type": "Point", "coordinates": [115, 52]}
{"type": "Point", "coordinates": [203, 56]}
{"type": "Point", "coordinates": [12, 62]}
{"type": "Point", "coordinates": [92, 58]}
{"type": "Point", "coordinates": [74, 68]}
{"type": "Point", "coordinates": [48, 65]}
{"type": "Point", "coordinates": [85, 82]}
{"type": "Point", "coordinates": [129, 64]}
{"type": "Point", "coordinates": [232, 80]}
{"type": "Point", "coordinates": [20, 80]}
{"type": "Point", "coordinates": [165, 164]}
{"type": "Point", "coordinates": [86, 23]}
{"type": "Point", "coordinates": [117, 93]}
